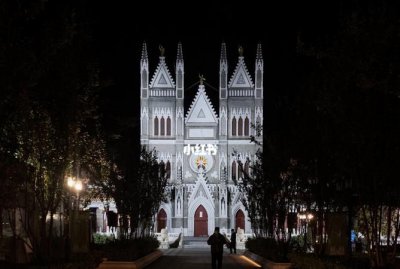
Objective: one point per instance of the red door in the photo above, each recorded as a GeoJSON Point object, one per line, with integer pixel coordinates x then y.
{"type": "Point", "coordinates": [200, 222]}
{"type": "Point", "coordinates": [239, 223]}
{"type": "Point", "coordinates": [161, 220]}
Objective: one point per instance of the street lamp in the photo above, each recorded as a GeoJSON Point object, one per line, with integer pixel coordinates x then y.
{"type": "Point", "coordinates": [75, 184]}
{"type": "Point", "coordinates": [307, 217]}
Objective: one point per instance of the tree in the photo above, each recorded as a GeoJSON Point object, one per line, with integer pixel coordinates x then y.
{"type": "Point", "coordinates": [260, 189]}
{"type": "Point", "coordinates": [49, 121]}
{"type": "Point", "coordinates": [138, 195]}
{"type": "Point", "coordinates": [352, 102]}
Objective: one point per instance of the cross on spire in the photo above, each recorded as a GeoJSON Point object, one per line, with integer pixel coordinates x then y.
{"type": "Point", "coordinates": [202, 79]}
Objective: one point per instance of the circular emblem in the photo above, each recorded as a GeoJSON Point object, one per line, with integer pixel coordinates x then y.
{"type": "Point", "coordinates": [201, 162]}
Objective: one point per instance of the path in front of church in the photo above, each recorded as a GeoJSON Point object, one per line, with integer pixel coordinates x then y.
{"type": "Point", "coordinates": [196, 258]}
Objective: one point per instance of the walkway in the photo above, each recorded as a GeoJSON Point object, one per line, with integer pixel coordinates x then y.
{"type": "Point", "coordinates": [196, 258]}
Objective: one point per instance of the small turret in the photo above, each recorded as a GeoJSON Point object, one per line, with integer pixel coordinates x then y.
{"type": "Point", "coordinates": [259, 73]}
{"type": "Point", "coordinates": [223, 73]}
{"type": "Point", "coordinates": [144, 72]}
{"type": "Point", "coordinates": [179, 72]}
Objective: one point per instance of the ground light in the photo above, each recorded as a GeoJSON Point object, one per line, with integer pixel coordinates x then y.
{"type": "Point", "coordinates": [250, 261]}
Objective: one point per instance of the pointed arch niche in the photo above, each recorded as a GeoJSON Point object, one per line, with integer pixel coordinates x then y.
{"type": "Point", "coordinates": [161, 220]}
{"type": "Point", "coordinates": [209, 208]}
{"type": "Point", "coordinates": [239, 220]}
{"type": "Point", "coordinates": [239, 216]}
{"type": "Point", "coordinates": [200, 222]}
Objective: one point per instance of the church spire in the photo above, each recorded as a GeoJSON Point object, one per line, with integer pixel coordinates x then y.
{"type": "Point", "coordinates": [259, 52]}
{"type": "Point", "coordinates": [144, 52]}
{"type": "Point", "coordinates": [179, 55]}
{"type": "Point", "coordinates": [223, 72]}
{"type": "Point", "coordinates": [179, 71]}
{"type": "Point", "coordinates": [259, 73]}
{"type": "Point", "coordinates": [144, 72]}
{"type": "Point", "coordinates": [223, 51]}
{"type": "Point", "coordinates": [180, 94]}
{"type": "Point", "coordinates": [144, 95]}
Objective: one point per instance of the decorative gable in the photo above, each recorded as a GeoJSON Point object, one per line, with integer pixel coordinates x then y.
{"type": "Point", "coordinates": [162, 77]}
{"type": "Point", "coordinates": [241, 77]}
{"type": "Point", "coordinates": [201, 110]}
{"type": "Point", "coordinates": [201, 189]}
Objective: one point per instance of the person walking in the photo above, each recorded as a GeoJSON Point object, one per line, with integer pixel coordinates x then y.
{"type": "Point", "coordinates": [217, 242]}
{"type": "Point", "coordinates": [232, 245]}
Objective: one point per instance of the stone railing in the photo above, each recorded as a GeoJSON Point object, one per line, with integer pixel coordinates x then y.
{"type": "Point", "coordinates": [166, 238]}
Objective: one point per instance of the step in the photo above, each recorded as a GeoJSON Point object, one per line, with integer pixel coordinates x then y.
{"type": "Point", "coordinates": [195, 242]}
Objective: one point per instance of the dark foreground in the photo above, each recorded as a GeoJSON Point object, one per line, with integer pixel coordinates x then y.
{"type": "Point", "coordinates": [193, 258]}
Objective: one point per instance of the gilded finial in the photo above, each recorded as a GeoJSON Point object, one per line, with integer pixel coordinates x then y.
{"type": "Point", "coordinates": [162, 50]}
{"type": "Point", "coordinates": [202, 79]}
{"type": "Point", "coordinates": [240, 51]}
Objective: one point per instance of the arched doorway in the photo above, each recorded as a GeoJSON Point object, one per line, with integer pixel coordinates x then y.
{"type": "Point", "coordinates": [200, 222]}
{"type": "Point", "coordinates": [239, 220]}
{"type": "Point", "coordinates": [161, 220]}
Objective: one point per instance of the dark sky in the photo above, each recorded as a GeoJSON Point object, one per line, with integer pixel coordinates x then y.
{"type": "Point", "coordinates": [119, 29]}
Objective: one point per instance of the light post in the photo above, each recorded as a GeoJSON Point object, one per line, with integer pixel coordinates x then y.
{"type": "Point", "coordinates": [307, 217]}
{"type": "Point", "coordinates": [76, 185]}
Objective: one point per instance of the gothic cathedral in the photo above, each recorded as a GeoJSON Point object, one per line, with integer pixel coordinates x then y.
{"type": "Point", "coordinates": [197, 145]}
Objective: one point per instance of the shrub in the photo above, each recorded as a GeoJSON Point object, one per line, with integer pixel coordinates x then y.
{"type": "Point", "coordinates": [102, 239]}
{"type": "Point", "coordinates": [128, 249]}
{"type": "Point", "coordinates": [268, 248]}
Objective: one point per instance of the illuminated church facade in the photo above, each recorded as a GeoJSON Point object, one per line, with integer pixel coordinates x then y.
{"type": "Point", "coordinates": [197, 145]}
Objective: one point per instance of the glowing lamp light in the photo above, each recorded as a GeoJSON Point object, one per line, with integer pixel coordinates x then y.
{"type": "Point", "coordinates": [70, 182]}
{"type": "Point", "coordinates": [74, 183]}
{"type": "Point", "coordinates": [78, 185]}
{"type": "Point", "coordinates": [308, 216]}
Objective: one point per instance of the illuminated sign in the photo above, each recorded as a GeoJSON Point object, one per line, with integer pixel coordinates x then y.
{"type": "Point", "coordinates": [200, 149]}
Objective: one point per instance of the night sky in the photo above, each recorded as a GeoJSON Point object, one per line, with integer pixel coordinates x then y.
{"type": "Point", "coordinates": [114, 32]}
{"type": "Point", "coordinates": [119, 30]}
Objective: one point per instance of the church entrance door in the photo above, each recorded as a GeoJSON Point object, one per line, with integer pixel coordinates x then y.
{"type": "Point", "coordinates": [239, 220]}
{"type": "Point", "coordinates": [200, 222]}
{"type": "Point", "coordinates": [161, 220]}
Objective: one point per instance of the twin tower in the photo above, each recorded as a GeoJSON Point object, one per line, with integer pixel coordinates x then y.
{"type": "Point", "coordinates": [197, 145]}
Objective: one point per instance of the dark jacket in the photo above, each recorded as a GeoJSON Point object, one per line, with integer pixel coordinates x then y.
{"type": "Point", "coordinates": [233, 239]}
{"type": "Point", "coordinates": [217, 242]}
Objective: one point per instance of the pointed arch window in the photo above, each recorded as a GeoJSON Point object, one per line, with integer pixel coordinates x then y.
{"type": "Point", "coordinates": [179, 80]}
{"type": "Point", "coordinates": [246, 168]}
{"type": "Point", "coordinates": [234, 126]}
{"type": "Point", "coordinates": [169, 126]}
{"type": "Point", "coordinates": [234, 170]}
{"type": "Point", "coordinates": [258, 79]}
{"type": "Point", "coordinates": [156, 126]}
{"type": "Point", "coordinates": [162, 126]}
{"type": "Point", "coordinates": [168, 170]}
{"type": "Point", "coordinates": [161, 168]}
{"type": "Point", "coordinates": [223, 80]}
{"type": "Point", "coordinates": [246, 126]}
{"type": "Point", "coordinates": [258, 120]}
{"type": "Point", "coordinates": [240, 127]}
{"type": "Point", "coordinates": [144, 79]}
{"type": "Point", "coordinates": [240, 171]}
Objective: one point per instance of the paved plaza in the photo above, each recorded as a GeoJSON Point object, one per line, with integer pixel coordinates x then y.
{"type": "Point", "coordinates": [196, 258]}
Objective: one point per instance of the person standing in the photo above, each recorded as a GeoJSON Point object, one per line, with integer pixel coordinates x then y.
{"type": "Point", "coordinates": [217, 242]}
{"type": "Point", "coordinates": [232, 245]}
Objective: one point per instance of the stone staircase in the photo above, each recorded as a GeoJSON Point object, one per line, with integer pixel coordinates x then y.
{"type": "Point", "coordinates": [195, 242]}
